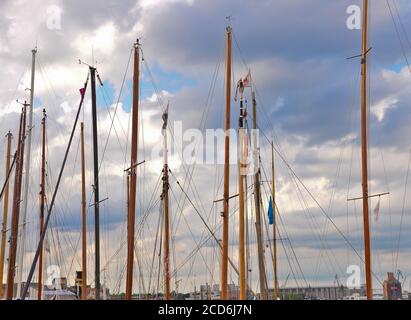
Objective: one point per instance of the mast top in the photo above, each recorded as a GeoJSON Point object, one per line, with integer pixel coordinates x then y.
{"type": "Point", "coordinates": [229, 19]}
{"type": "Point", "coordinates": [88, 65]}
{"type": "Point", "coordinates": [137, 44]}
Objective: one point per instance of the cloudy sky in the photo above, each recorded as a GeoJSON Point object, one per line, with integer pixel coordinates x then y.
{"type": "Point", "coordinates": [308, 100]}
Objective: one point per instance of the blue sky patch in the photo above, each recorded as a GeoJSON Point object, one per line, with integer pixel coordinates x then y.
{"type": "Point", "coordinates": [397, 67]}
{"type": "Point", "coordinates": [169, 81]}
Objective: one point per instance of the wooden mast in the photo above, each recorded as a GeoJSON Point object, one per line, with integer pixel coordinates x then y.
{"type": "Point", "coordinates": [257, 198]}
{"type": "Point", "coordinates": [42, 203]}
{"type": "Point", "coordinates": [274, 224]}
{"type": "Point", "coordinates": [96, 184]}
{"type": "Point", "coordinates": [5, 214]}
{"type": "Point", "coordinates": [166, 222]}
{"type": "Point", "coordinates": [133, 174]}
{"type": "Point", "coordinates": [241, 167]}
{"type": "Point", "coordinates": [224, 262]}
{"type": "Point", "coordinates": [364, 155]}
{"type": "Point", "coordinates": [16, 207]}
{"type": "Point", "coordinates": [83, 219]}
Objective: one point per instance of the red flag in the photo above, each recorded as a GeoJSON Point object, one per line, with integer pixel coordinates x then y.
{"type": "Point", "coordinates": [247, 80]}
{"type": "Point", "coordinates": [82, 92]}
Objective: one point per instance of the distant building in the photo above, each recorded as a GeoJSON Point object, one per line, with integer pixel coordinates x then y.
{"type": "Point", "coordinates": [317, 293]}
{"type": "Point", "coordinates": [392, 288]}
{"type": "Point", "coordinates": [208, 292]}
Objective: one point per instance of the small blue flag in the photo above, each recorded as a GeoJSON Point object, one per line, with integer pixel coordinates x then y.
{"type": "Point", "coordinates": [270, 212]}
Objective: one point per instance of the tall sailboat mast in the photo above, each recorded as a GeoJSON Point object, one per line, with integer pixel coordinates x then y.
{"type": "Point", "coordinates": [16, 206]}
{"type": "Point", "coordinates": [133, 173]}
{"type": "Point", "coordinates": [83, 218]}
{"type": "Point", "coordinates": [274, 223]}
{"type": "Point", "coordinates": [166, 222]}
{"type": "Point", "coordinates": [241, 167]}
{"type": "Point", "coordinates": [22, 247]}
{"type": "Point", "coordinates": [96, 184]}
{"type": "Point", "coordinates": [5, 214]}
{"type": "Point", "coordinates": [224, 262]}
{"type": "Point", "coordinates": [42, 203]}
{"type": "Point", "coordinates": [257, 198]}
{"type": "Point", "coordinates": [364, 153]}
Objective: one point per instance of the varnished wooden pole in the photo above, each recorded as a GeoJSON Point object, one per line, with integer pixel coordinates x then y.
{"type": "Point", "coordinates": [242, 166]}
{"type": "Point", "coordinates": [133, 174]}
{"type": "Point", "coordinates": [364, 153]}
{"type": "Point", "coordinates": [274, 224]}
{"type": "Point", "coordinates": [166, 221]}
{"type": "Point", "coordinates": [224, 260]}
{"type": "Point", "coordinates": [5, 214]}
{"type": "Point", "coordinates": [83, 219]}
{"type": "Point", "coordinates": [42, 204]}
{"type": "Point", "coordinates": [257, 198]}
{"type": "Point", "coordinates": [16, 207]}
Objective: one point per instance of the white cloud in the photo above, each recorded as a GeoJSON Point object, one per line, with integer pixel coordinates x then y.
{"type": "Point", "coordinates": [381, 108]}
{"type": "Point", "coordinates": [102, 40]}
{"type": "Point", "coordinates": [155, 3]}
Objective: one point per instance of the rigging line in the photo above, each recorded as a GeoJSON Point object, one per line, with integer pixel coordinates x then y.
{"type": "Point", "coordinates": [398, 35]}
{"type": "Point", "coordinates": [329, 218]}
{"type": "Point", "coordinates": [47, 79]}
{"type": "Point", "coordinates": [125, 161]}
{"type": "Point", "coordinates": [8, 106]}
{"type": "Point", "coordinates": [112, 119]}
{"type": "Point", "coordinates": [115, 111]}
{"type": "Point", "coordinates": [205, 223]}
{"type": "Point", "coordinates": [158, 94]}
{"type": "Point", "coordinates": [196, 210]}
{"type": "Point", "coordinates": [324, 233]}
{"type": "Point", "coordinates": [287, 257]}
{"type": "Point", "coordinates": [402, 24]}
{"type": "Point", "coordinates": [140, 270]}
{"type": "Point", "coordinates": [312, 221]}
{"type": "Point", "coordinates": [245, 64]}
{"type": "Point", "coordinates": [154, 252]}
{"type": "Point", "coordinates": [289, 239]}
{"type": "Point", "coordinates": [352, 119]}
{"type": "Point", "coordinates": [8, 175]}
{"type": "Point", "coordinates": [33, 266]}
{"type": "Point", "coordinates": [204, 117]}
{"type": "Point", "coordinates": [64, 198]}
{"type": "Point", "coordinates": [293, 252]}
{"type": "Point", "coordinates": [160, 252]}
{"type": "Point", "coordinates": [402, 212]}
{"type": "Point", "coordinates": [124, 242]}
{"type": "Point", "coordinates": [140, 227]}
{"type": "Point", "coordinates": [49, 174]}
{"type": "Point", "coordinates": [106, 99]}
{"type": "Point", "coordinates": [387, 185]}
{"type": "Point", "coordinates": [285, 248]}
{"type": "Point", "coordinates": [191, 232]}
{"type": "Point", "coordinates": [267, 231]}
{"type": "Point", "coordinates": [318, 204]}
